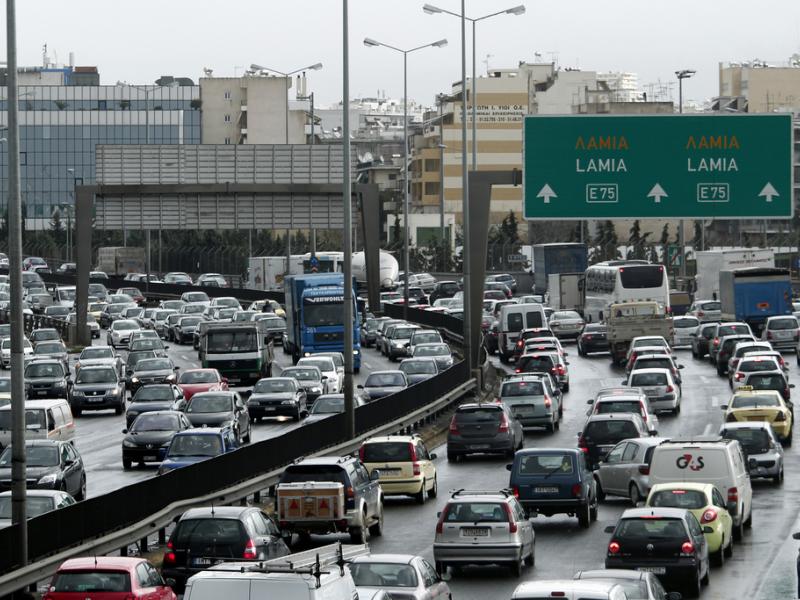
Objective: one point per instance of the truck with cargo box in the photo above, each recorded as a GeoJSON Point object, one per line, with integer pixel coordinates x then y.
{"type": "Point", "coordinates": [753, 295]}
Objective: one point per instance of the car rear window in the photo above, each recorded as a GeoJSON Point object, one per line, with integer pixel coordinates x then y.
{"type": "Point", "coordinates": [532, 364]}
{"type": "Point", "coordinates": [609, 432]}
{"type": "Point", "coordinates": [686, 322]}
{"type": "Point", "coordinates": [786, 323]}
{"type": "Point", "coordinates": [767, 382]}
{"type": "Point", "coordinates": [474, 512]}
{"type": "Point", "coordinates": [688, 499]}
{"type": "Point", "coordinates": [195, 531]}
{"type": "Point", "coordinates": [386, 452]}
{"type": "Point", "coordinates": [546, 464]}
{"type": "Point", "coordinates": [648, 379]}
{"type": "Point", "coordinates": [653, 363]}
{"type": "Point", "coordinates": [478, 415]}
{"type": "Point", "coordinates": [732, 330]}
{"type": "Point", "coordinates": [754, 401]}
{"type": "Point", "coordinates": [619, 406]}
{"type": "Point", "coordinates": [84, 582]}
{"type": "Point", "coordinates": [754, 441]}
{"type": "Point", "coordinates": [710, 306]}
{"type": "Point", "coordinates": [749, 366]}
{"type": "Point", "coordinates": [299, 473]}
{"type": "Point", "coordinates": [522, 388]}
{"type": "Point", "coordinates": [651, 528]}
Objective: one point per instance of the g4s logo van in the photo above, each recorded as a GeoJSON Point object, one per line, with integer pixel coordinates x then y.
{"type": "Point", "coordinates": [692, 462]}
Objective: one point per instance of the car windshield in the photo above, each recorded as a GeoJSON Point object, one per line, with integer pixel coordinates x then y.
{"type": "Point", "coordinates": [754, 441]}
{"type": "Point", "coordinates": [403, 333]}
{"type": "Point", "coordinates": [274, 323]}
{"type": "Point", "coordinates": [650, 528]}
{"type": "Point", "coordinates": [274, 386]}
{"type": "Point", "coordinates": [49, 348]}
{"type": "Point", "coordinates": [227, 313]}
{"type": "Point", "coordinates": [433, 350]}
{"type": "Point", "coordinates": [426, 338]}
{"type": "Point", "coordinates": [755, 401]}
{"type": "Point", "coordinates": [210, 403]}
{"type": "Point", "coordinates": [189, 321]}
{"type": "Point", "coordinates": [609, 432]}
{"type": "Point", "coordinates": [522, 388]}
{"type": "Point", "coordinates": [191, 377]}
{"type": "Point", "coordinates": [648, 379]}
{"type": "Point", "coordinates": [36, 456]}
{"type": "Point", "coordinates": [96, 376]}
{"type": "Point", "coordinates": [96, 352]}
{"type": "Point", "coordinates": [418, 367]}
{"type": "Point", "coordinates": [150, 393]}
{"type": "Point", "coordinates": [154, 364]}
{"type": "Point", "coordinates": [146, 344]}
{"type": "Point", "coordinates": [86, 582]}
{"type": "Point", "coordinates": [44, 370]}
{"type": "Point", "coordinates": [782, 324]}
{"type": "Point", "coordinates": [384, 380]}
{"type": "Point", "coordinates": [195, 445]}
{"type": "Point", "coordinates": [302, 374]}
{"type": "Point", "coordinates": [192, 309]}
{"type": "Point", "coordinates": [546, 464]}
{"type": "Point", "coordinates": [688, 499]}
{"type": "Point", "coordinates": [36, 505]}
{"type": "Point", "coordinates": [380, 575]}
{"type": "Point", "coordinates": [195, 297]}
{"type": "Point", "coordinates": [474, 512]}
{"type": "Point", "coordinates": [155, 422]}
{"type": "Point", "coordinates": [328, 405]}
{"type": "Point", "coordinates": [386, 452]}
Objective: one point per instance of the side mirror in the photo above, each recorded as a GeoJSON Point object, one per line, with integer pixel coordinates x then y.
{"type": "Point", "coordinates": [708, 529]}
{"type": "Point", "coordinates": [375, 475]}
{"type": "Point", "coordinates": [796, 535]}
{"type": "Point", "coordinates": [176, 368]}
{"type": "Point", "coordinates": [432, 457]}
{"type": "Point", "coordinates": [653, 433]}
{"type": "Point", "coordinates": [610, 528]}
{"type": "Point", "coordinates": [791, 385]}
{"type": "Point", "coordinates": [624, 382]}
{"type": "Point", "coordinates": [166, 347]}
{"type": "Point", "coordinates": [590, 402]}
{"type": "Point", "coordinates": [124, 431]}
{"type": "Point", "coordinates": [509, 467]}
{"type": "Point", "coordinates": [170, 582]}
{"type": "Point", "coordinates": [224, 380]}
{"type": "Point", "coordinates": [360, 387]}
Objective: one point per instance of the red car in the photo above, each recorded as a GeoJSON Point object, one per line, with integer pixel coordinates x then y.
{"type": "Point", "coordinates": [108, 578]}
{"type": "Point", "coordinates": [134, 293]}
{"type": "Point", "coordinates": [193, 381]}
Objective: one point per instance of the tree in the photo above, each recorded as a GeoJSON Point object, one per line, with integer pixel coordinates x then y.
{"type": "Point", "coordinates": [637, 241]}
{"type": "Point", "coordinates": [664, 241]}
{"type": "Point", "coordinates": [56, 226]}
{"type": "Point", "coordinates": [697, 240]}
{"type": "Point", "coordinates": [509, 228]}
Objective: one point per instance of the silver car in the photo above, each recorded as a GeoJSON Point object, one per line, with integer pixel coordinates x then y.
{"type": "Point", "coordinates": [625, 471]}
{"type": "Point", "coordinates": [759, 442]}
{"type": "Point", "coordinates": [660, 387]}
{"type": "Point", "coordinates": [783, 332]}
{"type": "Point", "coordinates": [633, 402]}
{"type": "Point", "coordinates": [706, 310]}
{"type": "Point", "coordinates": [637, 585]}
{"type": "Point", "coordinates": [119, 334]}
{"type": "Point", "coordinates": [441, 352]}
{"type": "Point", "coordinates": [532, 401]}
{"type": "Point", "coordinates": [683, 328]}
{"type": "Point", "coordinates": [477, 527]}
{"type": "Point", "coordinates": [566, 324]}
{"type": "Point", "coordinates": [401, 575]}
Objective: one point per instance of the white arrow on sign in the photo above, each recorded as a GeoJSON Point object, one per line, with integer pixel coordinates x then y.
{"type": "Point", "coordinates": [769, 192]}
{"type": "Point", "coordinates": [546, 192]}
{"type": "Point", "coordinates": [657, 193]}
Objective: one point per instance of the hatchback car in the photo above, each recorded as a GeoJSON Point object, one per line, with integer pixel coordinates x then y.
{"type": "Point", "coordinates": [744, 348]}
{"type": "Point", "coordinates": [726, 349]}
{"type": "Point", "coordinates": [658, 361]}
{"type": "Point", "coordinates": [702, 339]}
{"type": "Point", "coordinates": [119, 333]}
{"type": "Point", "coordinates": [765, 405]}
{"type": "Point", "coordinates": [753, 363]}
{"type": "Point", "coordinates": [783, 332]}
{"type": "Point", "coordinates": [398, 340]}
{"type": "Point", "coordinates": [625, 471]}
{"type": "Point", "coordinates": [769, 380]}
{"type": "Point", "coordinates": [532, 401]}
{"type": "Point", "coordinates": [419, 369]}
{"type": "Point", "coordinates": [152, 397]}
{"type": "Point", "coordinates": [661, 389]}
{"type": "Point", "coordinates": [759, 442]}
{"type": "Point", "coordinates": [276, 397]}
{"type": "Point", "coordinates": [725, 329]}
{"type": "Point", "coordinates": [196, 445]}
{"type": "Point", "coordinates": [637, 585]}
{"type": "Point", "coordinates": [37, 502]}
{"type": "Point", "coordinates": [51, 465]}
{"type": "Point", "coordinates": [706, 310]}
{"type": "Point", "coordinates": [405, 465]}
{"type": "Point", "coordinates": [99, 355]}
{"type": "Point", "coordinates": [593, 338]}
{"type": "Point", "coordinates": [545, 362]}
{"type": "Point", "coordinates": [330, 404]}
{"type": "Point", "coordinates": [153, 370]}
{"type": "Point", "coordinates": [383, 383]}
{"type": "Point", "coordinates": [483, 428]}
{"type": "Point", "coordinates": [683, 328]}
{"type": "Point", "coordinates": [668, 542]}
{"type": "Point", "coordinates": [97, 388]}
{"type": "Point", "coordinates": [309, 378]}
{"type": "Point", "coordinates": [332, 383]}
{"type": "Point", "coordinates": [483, 527]}
{"type": "Point", "coordinates": [148, 438]}
{"type": "Point", "coordinates": [635, 402]}
{"type": "Point", "coordinates": [220, 409]}
{"type": "Point", "coordinates": [108, 577]}
{"type": "Point", "coordinates": [604, 431]}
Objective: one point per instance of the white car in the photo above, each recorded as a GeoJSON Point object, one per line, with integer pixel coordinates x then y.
{"type": "Point", "coordinates": [338, 360]}
{"type": "Point", "coordinates": [401, 575]}
{"type": "Point", "coordinates": [683, 328]}
{"type": "Point", "coordinates": [706, 310]}
{"type": "Point", "coordinates": [5, 352]}
{"type": "Point", "coordinates": [119, 334]}
{"type": "Point", "coordinates": [659, 386]}
{"type": "Point", "coordinates": [333, 385]}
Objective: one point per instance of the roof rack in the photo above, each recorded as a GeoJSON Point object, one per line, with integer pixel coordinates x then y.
{"type": "Point", "coordinates": [310, 562]}
{"type": "Point", "coordinates": [695, 439]}
{"type": "Point", "coordinates": [465, 492]}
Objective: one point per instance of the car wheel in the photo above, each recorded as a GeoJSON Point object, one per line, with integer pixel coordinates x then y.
{"type": "Point", "coordinates": [376, 528]}
{"type": "Point", "coordinates": [434, 491]}
{"type": "Point", "coordinates": [441, 568]}
{"type": "Point", "coordinates": [120, 409]}
{"type": "Point", "coordinates": [778, 479]}
{"type": "Point", "coordinates": [81, 495]}
{"type": "Point", "coordinates": [246, 438]}
{"type": "Point", "coordinates": [738, 531]}
{"type": "Point", "coordinates": [566, 388]}
{"type": "Point", "coordinates": [585, 516]}
{"type": "Point", "coordinates": [296, 415]}
{"type": "Point", "coordinates": [693, 588]}
{"type": "Point", "coordinates": [729, 549]}
{"type": "Point", "coordinates": [530, 560]}
{"type": "Point", "coordinates": [707, 576]}
{"type": "Point", "coordinates": [516, 568]}
{"type": "Point", "coordinates": [452, 457]}
{"type": "Point", "coordinates": [601, 495]}
{"type": "Point", "coordinates": [420, 496]}
{"type": "Point", "coordinates": [748, 524]}
{"type": "Point", "coordinates": [127, 464]}
{"type": "Point", "coordinates": [551, 427]}
{"type": "Point", "coordinates": [634, 495]}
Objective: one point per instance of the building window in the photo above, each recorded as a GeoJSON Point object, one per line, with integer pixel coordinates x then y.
{"type": "Point", "coordinates": [431, 164]}
{"type": "Point", "coordinates": [431, 188]}
{"type": "Point", "coordinates": [227, 118]}
{"type": "Point", "coordinates": [227, 94]}
{"type": "Point", "coordinates": [227, 140]}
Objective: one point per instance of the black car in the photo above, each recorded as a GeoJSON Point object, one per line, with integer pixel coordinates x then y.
{"type": "Point", "coordinates": [205, 536]}
{"type": "Point", "coordinates": [155, 396]}
{"type": "Point", "coordinates": [444, 289]}
{"type": "Point", "coordinates": [220, 409]}
{"type": "Point", "coordinates": [492, 337]}
{"type": "Point", "coordinates": [44, 335]}
{"type": "Point", "coordinates": [275, 397]}
{"type": "Point", "coordinates": [97, 388]}
{"type": "Point", "coordinates": [310, 379]}
{"type": "Point", "coordinates": [186, 328]}
{"type": "Point", "coordinates": [382, 383]}
{"type": "Point", "coordinates": [604, 431]}
{"type": "Point", "coordinates": [593, 338]}
{"type": "Point", "coordinates": [46, 378]}
{"type": "Point", "coordinates": [149, 343]}
{"type": "Point", "coordinates": [727, 346]}
{"type": "Point", "coordinates": [701, 339]}
{"type": "Point", "coordinates": [148, 438]}
{"type": "Point", "coordinates": [133, 358]}
{"type": "Point", "coordinates": [369, 332]}
{"type": "Point", "coordinates": [419, 369]}
{"type": "Point", "coordinates": [483, 428]}
{"type": "Point", "coordinates": [51, 465]}
{"type": "Point", "coordinates": [666, 541]}
{"type": "Point", "coordinates": [153, 370]}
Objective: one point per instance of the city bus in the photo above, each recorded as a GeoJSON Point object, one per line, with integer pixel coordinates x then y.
{"type": "Point", "coordinates": [616, 281]}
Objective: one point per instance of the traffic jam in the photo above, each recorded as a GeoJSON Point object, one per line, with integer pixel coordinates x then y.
{"type": "Point", "coordinates": [632, 436]}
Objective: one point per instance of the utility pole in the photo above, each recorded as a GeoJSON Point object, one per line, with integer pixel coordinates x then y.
{"type": "Point", "coordinates": [681, 75]}
{"type": "Point", "coordinates": [349, 406]}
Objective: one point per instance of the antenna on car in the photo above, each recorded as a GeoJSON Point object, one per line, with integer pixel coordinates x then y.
{"type": "Point", "coordinates": [212, 508]}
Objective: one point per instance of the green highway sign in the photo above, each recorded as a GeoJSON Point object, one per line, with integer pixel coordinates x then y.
{"type": "Point", "coordinates": [658, 166]}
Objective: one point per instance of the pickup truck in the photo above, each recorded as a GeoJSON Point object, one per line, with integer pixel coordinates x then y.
{"type": "Point", "coordinates": [633, 319]}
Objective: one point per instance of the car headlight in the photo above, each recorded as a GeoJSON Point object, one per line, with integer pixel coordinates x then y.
{"type": "Point", "coordinates": [316, 390]}
{"type": "Point", "coordinates": [128, 444]}
{"type": "Point", "coordinates": [60, 384]}
{"type": "Point", "coordinates": [287, 402]}
{"type": "Point", "coordinates": [114, 392]}
{"type": "Point", "coordinates": [397, 344]}
{"type": "Point", "coordinates": [134, 380]}
{"type": "Point", "coordinates": [171, 378]}
{"type": "Point", "coordinates": [77, 392]}
{"type": "Point", "coordinates": [48, 479]}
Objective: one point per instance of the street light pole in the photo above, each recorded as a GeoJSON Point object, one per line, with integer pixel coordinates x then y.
{"type": "Point", "coordinates": [370, 43]}
{"type": "Point", "coordinates": [681, 75]}
{"type": "Point", "coordinates": [349, 406]}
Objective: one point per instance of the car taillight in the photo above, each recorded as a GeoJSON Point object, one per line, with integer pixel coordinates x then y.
{"type": "Point", "coordinates": [517, 370]}
{"type": "Point", "coordinates": [349, 493]}
{"type": "Point", "coordinates": [498, 399]}
{"type": "Point", "coordinates": [169, 555]}
{"type": "Point", "coordinates": [708, 516]}
{"type": "Point", "coordinates": [512, 525]}
{"type": "Point", "coordinates": [716, 341]}
{"type": "Point", "coordinates": [769, 335]}
{"type": "Point", "coordinates": [739, 376]}
{"type": "Point", "coordinates": [361, 454]}
{"type": "Point", "coordinates": [780, 417]}
{"type": "Point", "coordinates": [440, 522]}
{"type": "Point", "coordinates": [454, 426]}
{"type": "Point", "coordinates": [520, 343]}
{"type": "Point", "coordinates": [701, 313]}
{"type": "Point", "coordinates": [547, 402]}
{"type": "Point", "coordinates": [503, 427]}
{"type": "Point", "coordinates": [561, 370]}
{"type": "Point", "coordinates": [582, 444]}
{"type": "Point", "coordinates": [515, 490]}
{"type": "Point", "coordinates": [687, 548]}
{"type": "Point", "coordinates": [614, 548]}
{"type": "Point", "coordinates": [576, 490]}
{"type": "Point", "coordinates": [643, 411]}
{"type": "Point", "coordinates": [733, 494]}
{"type": "Point", "coordinates": [644, 469]}
{"type": "Point", "coordinates": [249, 550]}
{"type": "Point", "coordinates": [670, 389]}
{"type": "Point", "coordinates": [781, 362]}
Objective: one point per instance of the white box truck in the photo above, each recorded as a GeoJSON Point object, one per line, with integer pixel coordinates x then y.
{"type": "Point", "coordinates": [711, 262]}
{"type": "Point", "coordinates": [564, 291]}
{"type": "Point", "coordinates": [267, 272]}
{"type": "Point", "coordinates": [120, 260]}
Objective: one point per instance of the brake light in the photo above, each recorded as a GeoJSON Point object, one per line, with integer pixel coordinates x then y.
{"type": "Point", "coordinates": [515, 489]}
{"type": "Point", "coordinates": [517, 370]}
{"type": "Point", "coordinates": [739, 376]}
{"type": "Point", "coordinates": [497, 399]}
{"type": "Point", "coordinates": [440, 522]}
{"type": "Point", "coordinates": [643, 411]}
{"type": "Point", "coordinates": [361, 454]}
{"type": "Point", "coordinates": [670, 389]}
{"type": "Point", "coordinates": [520, 343]}
{"type": "Point", "coordinates": [644, 469]}
{"type": "Point", "coordinates": [349, 493]}
{"type": "Point", "coordinates": [169, 555]}
{"type": "Point", "coordinates": [250, 550]}
{"type": "Point", "coordinates": [733, 494]}
{"type": "Point", "coordinates": [547, 401]}
{"type": "Point", "coordinates": [582, 444]}
{"type": "Point", "coordinates": [708, 516]}
{"type": "Point", "coordinates": [781, 362]}
{"type": "Point", "coordinates": [576, 490]}
{"type": "Point", "coordinates": [700, 313]}
{"type": "Point", "coordinates": [716, 341]}
{"type": "Point", "coordinates": [454, 426]}
{"type": "Point", "coordinates": [561, 370]}
{"type": "Point", "coordinates": [503, 428]}
{"type": "Point", "coordinates": [687, 548]}
{"type": "Point", "coordinates": [614, 548]}
{"type": "Point", "coordinates": [512, 525]}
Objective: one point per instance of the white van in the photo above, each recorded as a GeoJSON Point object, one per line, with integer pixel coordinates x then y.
{"type": "Point", "coordinates": [64, 296]}
{"type": "Point", "coordinates": [709, 460]}
{"type": "Point", "coordinates": [513, 319]}
{"type": "Point", "coordinates": [44, 419]}
{"type": "Point", "coordinates": [318, 574]}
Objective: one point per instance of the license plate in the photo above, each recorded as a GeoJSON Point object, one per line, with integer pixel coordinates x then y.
{"type": "Point", "coordinates": [150, 458]}
{"type": "Point", "coordinates": [545, 490]}
{"type": "Point", "coordinates": [233, 380]}
{"type": "Point", "coordinates": [479, 447]}
{"type": "Point", "coordinates": [475, 531]}
{"type": "Point", "coordinates": [653, 570]}
{"type": "Point", "coordinates": [42, 392]}
{"type": "Point", "coordinates": [269, 409]}
{"type": "Point", "coordinates": [90, 399]}
{"type": "Point", "coordinates": [782, 335]}
{"type": "Point", "coordinates": [523, 410]}
{"type": "Point", "coordinates": [201, 562]}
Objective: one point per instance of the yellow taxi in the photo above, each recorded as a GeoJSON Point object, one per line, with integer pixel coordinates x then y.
{"type": "Point", "coordinates": [405, 465]}
{"type": "Point", "coordinates": [705, 502]}
{"type": "Point", "coordinates": [96, 308]}
{"type": "Point", "coordinates": [748, 404]}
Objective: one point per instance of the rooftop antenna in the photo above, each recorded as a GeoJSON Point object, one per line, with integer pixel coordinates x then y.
{"type": "Point", "coordinates": [212, 508]}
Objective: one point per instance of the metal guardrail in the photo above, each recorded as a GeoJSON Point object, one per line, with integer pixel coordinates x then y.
{"type": "Point", "coordinates": [35, 321]}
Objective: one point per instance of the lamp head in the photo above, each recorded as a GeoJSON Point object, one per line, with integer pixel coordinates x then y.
{"type": "Point", "coordinates": [431, 10]}
{"type": "Point", "coordinates": [315, 67]}
{"type": "Point", "coordinates": [440, 44]}
{"type": "Point", "coordinates": [255, 67]}
{"type": "Point", "coordinates": [517, 10]}
{"type": "Point", "coordinates": [370, 43]}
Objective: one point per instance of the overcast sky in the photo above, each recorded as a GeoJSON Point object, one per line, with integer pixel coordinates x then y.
{"type": "Point", "coordinates": [139, 41]}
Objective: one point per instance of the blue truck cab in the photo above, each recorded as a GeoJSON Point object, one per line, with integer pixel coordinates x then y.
{"type": "Point", "coordinates": [551, 481]}
{"type": "Point", "coordinates": [314, 311]}
{"type": "Point", "coordinates": [754, 294]}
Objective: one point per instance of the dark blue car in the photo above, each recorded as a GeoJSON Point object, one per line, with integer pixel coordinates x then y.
{"type": "Point", "coordinates": [196, 445]}
{"type": "Point", "coordinates": [550, 481]}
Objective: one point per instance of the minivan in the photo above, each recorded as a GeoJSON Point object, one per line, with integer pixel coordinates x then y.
{"type": "Point", "coordinates": [709, 459]}
{"type": "Point", "coordinates": [513, 319]}
{"type": "Point", "coordinates": [44, 419]}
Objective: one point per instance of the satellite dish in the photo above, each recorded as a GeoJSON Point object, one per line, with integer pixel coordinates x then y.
{"type": "Point", "coordinates": [367, 157]}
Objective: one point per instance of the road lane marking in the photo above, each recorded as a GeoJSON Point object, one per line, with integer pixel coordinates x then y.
{"type": "Point", "coordinates": [707, 430]}
{"type": "Point", "coordinates": [714, 401]}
